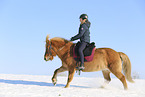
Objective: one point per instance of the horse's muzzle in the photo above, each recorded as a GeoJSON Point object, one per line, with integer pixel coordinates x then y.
{"type": "Point", "coordinates": [46, 58]}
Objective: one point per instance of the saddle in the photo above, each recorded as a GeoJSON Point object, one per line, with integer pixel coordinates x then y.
{"type": "Point", "coordinates": [88, 52]}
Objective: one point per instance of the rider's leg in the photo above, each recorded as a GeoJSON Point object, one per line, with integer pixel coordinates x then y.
{"type": "Point", "coordinates": [81, 48]}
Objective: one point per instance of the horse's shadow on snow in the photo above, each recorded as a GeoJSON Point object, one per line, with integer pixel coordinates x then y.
{"type": "Point", "coordinates": [36, 83]}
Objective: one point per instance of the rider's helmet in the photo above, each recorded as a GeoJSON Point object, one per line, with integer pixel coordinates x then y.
{"type": "Point", "coordinates": [84, 16]}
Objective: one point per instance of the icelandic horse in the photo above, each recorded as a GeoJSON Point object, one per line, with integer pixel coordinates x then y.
{"type": "Point", "coordinates": [105, 59]}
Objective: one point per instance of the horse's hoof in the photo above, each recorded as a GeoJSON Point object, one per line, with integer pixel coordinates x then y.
{"type": "Point", "coordinates": [102, 86]}
{"type": "Point", "coordinates": [125, 88]}
{"type": "Point", "coordinates": [66, 86]}
{"type": "Point", "coordinates": [54, 83]}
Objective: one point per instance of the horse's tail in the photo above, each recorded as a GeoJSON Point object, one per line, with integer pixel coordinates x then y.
{"type": "Point", "coordinates": [126, 66]}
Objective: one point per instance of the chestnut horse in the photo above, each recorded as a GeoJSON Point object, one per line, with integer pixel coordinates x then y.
{"type": "Point", "coordinates": [105, 59]}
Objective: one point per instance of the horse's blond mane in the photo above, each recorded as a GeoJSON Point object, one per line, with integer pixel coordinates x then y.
{"type": "Point", "coordinates": [58, 42]}
{"type": "Point", "coordinates": [56, 39]}
{"type": "Point", "coordinates": [59, 39]}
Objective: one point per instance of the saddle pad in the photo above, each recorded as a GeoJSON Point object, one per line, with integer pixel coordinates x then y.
{"type": "Point", "coordinates": [88, 52]}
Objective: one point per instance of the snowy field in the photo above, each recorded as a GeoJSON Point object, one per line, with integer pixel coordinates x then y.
{"type": "Point", "coordinates": [41, 86]}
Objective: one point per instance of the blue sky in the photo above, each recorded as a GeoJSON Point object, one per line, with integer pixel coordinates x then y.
{"type": "Point", "coordinates": [24, 24]}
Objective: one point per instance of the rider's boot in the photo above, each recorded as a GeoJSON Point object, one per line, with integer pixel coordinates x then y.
{"type": "Point", "coordinates": [81, 67]}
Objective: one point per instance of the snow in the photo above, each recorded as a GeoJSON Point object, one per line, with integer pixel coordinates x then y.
{"type": "Point", "coordinates": [40, 86]}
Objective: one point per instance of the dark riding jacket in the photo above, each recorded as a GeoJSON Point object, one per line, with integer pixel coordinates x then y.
{"type": "Point", "coordinates": [84, 33]}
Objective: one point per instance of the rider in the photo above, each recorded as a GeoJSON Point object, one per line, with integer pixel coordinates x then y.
{"type": "Point", "coordinates": [84, 36]}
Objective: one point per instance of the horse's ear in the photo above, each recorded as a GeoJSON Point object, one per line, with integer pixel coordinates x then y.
{"type": "Point", "coordinates": [47, 38]}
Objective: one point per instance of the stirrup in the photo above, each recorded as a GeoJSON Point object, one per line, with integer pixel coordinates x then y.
{"type": "Point", "coordinates": [77, 65]}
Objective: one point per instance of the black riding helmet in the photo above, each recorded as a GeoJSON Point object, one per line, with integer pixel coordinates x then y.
{"type": "Point", "coordinates": [84, 16]}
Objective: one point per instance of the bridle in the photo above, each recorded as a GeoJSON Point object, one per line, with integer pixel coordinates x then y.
{"type": "Point", "coordinates": [56, 52]}
{"type": "Point", "coordinates": [49, 49]}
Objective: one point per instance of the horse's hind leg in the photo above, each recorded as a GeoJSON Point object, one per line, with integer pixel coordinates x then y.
{"type": "Point", "coordinates": [120, 76]}
{"type": "Point", "coordinates": [106, 74]}
{"type": "Point", "coordinates": [117, 72]}
{"type": "Point", "coordinates": [61, 69]}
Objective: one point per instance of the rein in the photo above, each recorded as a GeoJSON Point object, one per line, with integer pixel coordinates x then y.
{"type": "Point", "coordinates": [50, 47]}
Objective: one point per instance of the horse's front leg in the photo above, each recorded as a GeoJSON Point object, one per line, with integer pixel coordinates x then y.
{"type": "Point", "coordinates": [70, 77]}
{"type": "Point", "coordinates": [54, 78]}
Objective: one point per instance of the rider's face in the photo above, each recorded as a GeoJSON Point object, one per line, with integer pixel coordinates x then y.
{"type": "Point", "coordinates": [82, 21]}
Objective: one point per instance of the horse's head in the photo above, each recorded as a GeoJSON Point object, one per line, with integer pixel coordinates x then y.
{"type": "Point", "coordinates": [56, 46]}
{"type": "Point", "coordinates": [49, 52]}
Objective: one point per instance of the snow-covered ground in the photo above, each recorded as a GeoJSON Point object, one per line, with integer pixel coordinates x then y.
{"type": "Point", "coordinates": [41, 86]}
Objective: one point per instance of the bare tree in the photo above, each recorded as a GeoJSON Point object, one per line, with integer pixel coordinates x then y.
{"type": "Point", "coordinates": [135, 75]}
